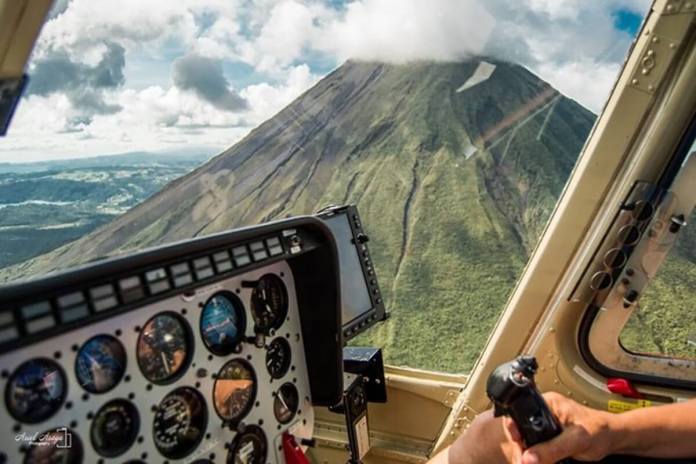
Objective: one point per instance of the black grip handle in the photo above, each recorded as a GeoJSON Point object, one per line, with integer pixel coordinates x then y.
{"type": "Point", "coordinates": [512, 389]}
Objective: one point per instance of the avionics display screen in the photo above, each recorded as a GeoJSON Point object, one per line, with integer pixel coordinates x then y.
{"type": "Point", "coordinates": [355, 296]}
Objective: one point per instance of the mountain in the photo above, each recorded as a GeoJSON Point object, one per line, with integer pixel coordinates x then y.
{"type": "Point", "coordinates": [455, 168]}
{"type": "Point", "coordinates": [46, 204]}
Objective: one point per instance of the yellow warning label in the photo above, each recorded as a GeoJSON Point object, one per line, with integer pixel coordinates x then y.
{"type": "Point", "coordinates": [623, 406]}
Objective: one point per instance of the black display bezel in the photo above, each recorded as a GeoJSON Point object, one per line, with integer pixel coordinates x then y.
{"type": "Point", "coordinates": [123, 372]}
{"type": "Point", "coordinates": [135, 415]}
{"type": "Point", "coordinates": [377, 313]}
{"type": "Point", "coordinates": [275, 398]}
{"type": "Point", "coordinates": [76, 445]}
{"type": "Point", "coordinates": [286, 367]}
{"type": "Point", "coordinates": [206, 420]}
{"type": "Point", "coordinates": [190, 347]}
{"type": "Point", "coordinates": [236, 420]}
{"type": "Point", "coordinates": [10, 380]}
{"type": "Point", "coordinates": [240, 313]}
{"type": "Point", "coordinates": [250, 430]}
{"type": "Point", "coordinates": [284, 310]}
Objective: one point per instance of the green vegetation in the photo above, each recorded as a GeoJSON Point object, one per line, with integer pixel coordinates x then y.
{"type": "Point", "coordinates": [665, 323]}
{"type": "Point", "coordinates": [453, 186]}
{"type": "Point", "coordinates": [44, 205]}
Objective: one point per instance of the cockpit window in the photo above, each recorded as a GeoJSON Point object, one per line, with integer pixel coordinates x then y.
{"type": "Point", "coordinates": [453, 125]}
{"type": "Point", "coordinates": [642, 325]}
{"type": "Point", "coordinates": [664, 322]}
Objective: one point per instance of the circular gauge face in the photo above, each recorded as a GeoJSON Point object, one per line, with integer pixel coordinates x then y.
{"type": "Point", "coordinates": [223, 323]}
{"type": "Point", "coordinates": [278, 357]}
{"type": "Point", "coordinates": [115, 428]}
{"type": "Point", "coordinates": [179, 423]}
{"type": "Point", "coordinates": [59, 446]}
{"type": "Point", "coordinates": [249, 447]}
{"type": "Point", "coordinates": [164, 348]}
{"type": "Point", "coordinates": [35, 390]}
{"type": "Point", "coordinates": [269, 303]}
{"type": "Point", "coordinates": [286, 403]}
{"type": "Point", "coordinates": [234, 391]}
{"type": "Point", "coordinates": [100, 364]}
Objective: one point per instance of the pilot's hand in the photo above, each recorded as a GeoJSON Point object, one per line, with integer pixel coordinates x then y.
{"type": "Point", "coordinates": [586, 434]}
{"type": "Point", "coordinates": [486, 441]}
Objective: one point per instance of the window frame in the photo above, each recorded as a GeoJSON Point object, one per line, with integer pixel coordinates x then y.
{"type": "Point", "coordinates": [611, 358]}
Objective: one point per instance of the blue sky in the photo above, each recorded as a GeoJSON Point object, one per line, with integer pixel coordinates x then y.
{"type": "Point", "coordinates": [157, 75]}
{"type": "Point", "coordinates": [627, 20]}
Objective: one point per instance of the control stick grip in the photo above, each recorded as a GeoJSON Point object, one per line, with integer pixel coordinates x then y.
{"type": "Point", "coordinates": [514, 394]}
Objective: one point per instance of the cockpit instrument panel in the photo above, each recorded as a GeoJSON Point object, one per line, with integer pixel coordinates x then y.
{"type": "Point", "coordinates": [203, 351]}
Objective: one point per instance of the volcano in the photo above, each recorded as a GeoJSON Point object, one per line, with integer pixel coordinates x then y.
{"type": "Point", "coordinates": [455, 168]}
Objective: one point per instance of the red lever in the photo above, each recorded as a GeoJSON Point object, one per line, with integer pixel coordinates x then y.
{"type": "Point", "coordinates": [293, 453]}
{"type": "Point", "coordinates": [623, 387]}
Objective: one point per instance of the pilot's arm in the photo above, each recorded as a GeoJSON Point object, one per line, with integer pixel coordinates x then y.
{"type": "Point", "coordinates": [588, 435]}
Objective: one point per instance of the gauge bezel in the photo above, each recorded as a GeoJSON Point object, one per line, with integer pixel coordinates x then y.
{"type": "Point", "coordinates": [255, 387]}
{"type": "Point", "coordinates": [204, 429]}
{"type": "Point", "coordinates": [123, 372]}
{"type": "Point", "coordinates": [284, 308]}
{"type": "Point", "coordinates": [240, 311]}
{"type": "Point", "coordinates": [275, 398]}
{"type": "Point", "coordinates": [250, 430]}
{"type": "Point", "coordinates": [12, 377]}
{"type": "Point", "coordinates": [74, 438]}
{"type": "Point", "coordinates": [288, 349]}
{"type": "Point", "coordinates": [136, 430]}
{"type": "Point", "coordinates": [190, 348]}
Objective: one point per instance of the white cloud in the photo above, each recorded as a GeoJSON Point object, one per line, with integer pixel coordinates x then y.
{"type": "Point", "coordinates": [266, 100]}
{"type": "Point", "coordinates": [282, 37]}
{"type": "Point", "coordinates": [135, 24]}
{"type": "Point", "coordinates": [154, 118]}
{"type": "Point", "coordinates": [573, 44]}
{"type": "Point", "coordinates": [399, 30]}
{"type": "Point", "coordinates": [572, 79]}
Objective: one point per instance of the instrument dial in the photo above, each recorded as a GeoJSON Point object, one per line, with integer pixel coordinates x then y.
{"type": "Point", "coordinates": [100, 364]}
{"type": "Point", "coordinates": [115, 428]}
{"type": "Point", "coordinates": [164, 348]}
{"type": "Point", "coordinates": [223, 323]}
{"type": "Point", "coordinates": [248, 447]}
{"type": "Point", "coordinates": [35, 390]}
{"type": "Point", "coordinates": [278, 357]}
{"type": "Point", "coordinates": [269, 303]}
{"type": "Point", "coordinates": [60, 446]}
{"type": "Point", "coordinates": [286, 403]}
{"type": "Point", "coordinates": [234, 391]}
{"type": "Point", "coordinates": [180, 423]}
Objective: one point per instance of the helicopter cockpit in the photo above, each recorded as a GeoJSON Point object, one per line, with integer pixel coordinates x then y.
{"type": "Point", "coordinates": [405, 246]}
{"type": "Point", "coordinates": [233, 334]}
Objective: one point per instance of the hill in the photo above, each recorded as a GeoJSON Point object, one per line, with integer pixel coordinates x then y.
{"type": "Point", "coordinates": [455, 168]}
{"type": "Point", "coordinates": [46, 204]}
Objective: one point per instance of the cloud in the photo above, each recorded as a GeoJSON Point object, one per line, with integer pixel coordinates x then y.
{"type": "Point", "coordinates": [84, 85]}
{"type": "Point", "coordinates": [204, 77]}
{"type": "Point", "coordinates": [153, 118]}
{"type": "Point", "coordinates": [87, 102]}
{"type": "Point", "coordinates": [573, 44]}
{"type": "Point", "coordinates": [282, 38]}
{"type": "Point", "coordinates": [551, 37]}
{"type": "Point", "coordinates": [406, 30]}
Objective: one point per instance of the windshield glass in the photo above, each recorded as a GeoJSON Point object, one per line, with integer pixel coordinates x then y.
{"type": "Point", "coordinates": [452, 124]}
{"type": "Point", "coordinates": [663, 322]}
